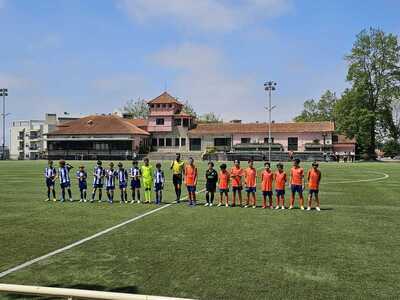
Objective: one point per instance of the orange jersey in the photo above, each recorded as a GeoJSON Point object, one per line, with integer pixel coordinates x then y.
{"type": "Point", "coordinates": [237, 175]}
{"type": "Point", "coordinates": [250, 176]}
{"type": "Point", "coordinates": [296, 176]}
{"type": "Point", "coordinates": [266, 181]}
{"type": "Point", "coordinates": [223, 180]}
{"type": "Point", "coordinates": [190, 175]}
{"type": "Point", "coordinates": [280, 180]}
{"type": "Point", "coordinates": [314, 177]}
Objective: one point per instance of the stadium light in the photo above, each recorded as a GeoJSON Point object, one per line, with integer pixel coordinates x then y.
{"type": "Point", "coordinates": [269, 86]}
{"type": "Point", "coordinates": [4, 93]}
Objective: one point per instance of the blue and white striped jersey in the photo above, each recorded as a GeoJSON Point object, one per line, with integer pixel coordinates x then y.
{"type": "Point", "coordinates": [64, 174]}
{"type": "Point", "coordinates": [82, 176]}
{"type": "Point", "coordinates": [98, 174]}
{"type": "Point", "coordinates": [158, 176]}
{"type": "Point", "coordinates": [134, 172]}
{"type": "Point", "coordinates": [50, 172]}
{"type": "Point", "coordinates": [122, 176]}
{"type": "Point", "coordinates": [110, 177]}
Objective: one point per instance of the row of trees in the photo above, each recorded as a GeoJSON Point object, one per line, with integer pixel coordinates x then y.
{"type": "Point", "coordinates": [140, 110]}
{"type": "Point", "coordinates": [370, 109]}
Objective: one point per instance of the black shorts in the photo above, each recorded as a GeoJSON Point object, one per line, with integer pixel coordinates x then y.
{"type": "Point", "coordinates": [211, 188]}
{"type": "Point", "coordinates": [238, 188]}
{"type": "Point", "coordinates": [177, 179]}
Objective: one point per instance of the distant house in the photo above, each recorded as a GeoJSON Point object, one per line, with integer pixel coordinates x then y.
{"type": "Point", "coordinates": [168, 130]}
{"type": "Point", "coordinates": [96, 137]}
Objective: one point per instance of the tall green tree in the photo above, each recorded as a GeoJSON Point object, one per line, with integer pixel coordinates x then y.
{"type": "Point", "coordinates": [209, 118]}
{"type": "Point", "coordinates": [137, 108]}
{"type": "Point", "coordinates": [321, 110]}
{"type": "Point", "coordinates": [375, 77]}
{"type": "Point", "coordinates": [188, 109]}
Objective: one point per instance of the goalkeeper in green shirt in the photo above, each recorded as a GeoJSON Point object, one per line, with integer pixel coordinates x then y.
{"type": "Point", "coordinates": [147, 177]}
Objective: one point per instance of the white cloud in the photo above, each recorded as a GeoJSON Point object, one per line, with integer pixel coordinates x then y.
{"type": "Point", "coordinates": [205, 80]}
{"type": "Point", "coordinates": [208, 15]}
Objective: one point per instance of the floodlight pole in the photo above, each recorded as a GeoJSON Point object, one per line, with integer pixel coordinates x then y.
{"type": "Point", "coordinates": [4, 93]}
{"type": "Point", "coordinates": [269, 87]}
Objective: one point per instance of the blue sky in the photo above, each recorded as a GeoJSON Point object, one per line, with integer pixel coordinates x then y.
{"type": "Point", "coordinates": [92, 56]}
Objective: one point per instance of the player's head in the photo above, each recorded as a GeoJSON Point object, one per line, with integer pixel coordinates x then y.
{"type": "Point", "coordinates": [120, 165]}
{"type": "Point", "coordinates": [134, 163]}
{"type": "Point", "coordinates": [251, 162]}
{"type": "Point", "coordinates": [158, 165]}
{"type": "Point", "coordinates": [146, 161]}
{"type": "Point", "coordinates": [210, 165]}
{"type": "Point", "coordinates": [315, 165]}
{"type": "Point", "coordinates": [111, 165]}
{"type": "Point", "coordinates": [191, 160]}
{"type": "Point", "coordinates": [81, 167]}
{"type": "Point", "coordinates": [223, 167]}
{"type": "Point", "coordinates": [296, 162]}
{"type": "Point", "coordinates": [178, 156]}
{"type": "Point", "coordinates": [50, 163]}
{"type": "Point", "coordinates": [99, 163]}
{"type": "Point", "coordinates": [267, 165]}
{"type": "Point", "coordinates": [279, 166]}
{"type": "Point", "coordinates": [62, 163]}
{"type": "Point", "coordinates": [237, 163]}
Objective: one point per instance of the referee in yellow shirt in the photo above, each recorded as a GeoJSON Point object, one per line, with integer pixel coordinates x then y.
{"type": "Point", "coordinates": [177, 168]}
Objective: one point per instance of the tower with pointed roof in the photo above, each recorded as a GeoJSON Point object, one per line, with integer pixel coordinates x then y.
{"type": "Point", "coordinates": [168, 124]}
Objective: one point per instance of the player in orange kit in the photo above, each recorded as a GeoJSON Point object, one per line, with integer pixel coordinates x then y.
{"type": "Point", "coordinates": [191, 181]}
{"type": "Point", "coordinates": [237, 174]}
{"type": "Point", "coordinates": [251, 184]}
{"type": "Point", "coordinates": [280, 182]}
{"type": "Point", "coordinates": [313, 178]}
{"type": "Point", "coordinates": [223, 185]}
{"type": "Point", "coordinates": [296, 182]}
{"type": "Point", "coordinates": [267, 177]}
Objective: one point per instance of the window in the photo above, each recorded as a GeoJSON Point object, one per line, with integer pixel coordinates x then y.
{"type": "Point", "coordinates": [170, 105]}
{"type": "Point", "coordinates": [185, 122]}
{"type": "Point", "coordinates": [161, 142]}
{"type": "Point", "coordinates": [100, 146]}
{"type": "Point", "coordinates": [245, 140]}
{"type": "Point", "coordinates": [164, 105]}
{"type": "Point", "coordinates": [177, 142]}
{"type": "Point", "coordinates": [159, 121]}
{"type": "Point", "coordinates": [168, 142]}
{"type": "Point", "coordinates": [152, 105]}
{"type": "Point", "coordinates": [293, 143]}
{"type": "Point", "coordinates": [266, 140]}
{"type": "Point", "coordinates": [178, 122]}
{"type": "Point", "coordinates": [154, 142]}
{"type": "Point", "coordinates": [335, 139]}
{"type": "Point", "coordinates": [183, 142]}
{"type": "Point", "coordinates": [158, 105]}
{"type": "Point", "coordinates": [218, 142]}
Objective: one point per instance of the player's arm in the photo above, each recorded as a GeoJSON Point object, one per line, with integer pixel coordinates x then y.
{"type": "Point", "coordinates": [172, 165]}
{"type": "Point", "coordinates": [195, 176]}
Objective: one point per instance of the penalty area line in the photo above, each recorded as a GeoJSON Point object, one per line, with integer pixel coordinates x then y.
{"type": "Point", "coordinates": [87, 239]}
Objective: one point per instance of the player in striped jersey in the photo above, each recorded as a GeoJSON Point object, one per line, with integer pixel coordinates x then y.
{"type": "Point", "coordinates": [65, 181]}
{"type": "Point", "coordinates": [50, 174]}
{"type": "Point", "coordinates": [98, 176]}
{"type": "Point", "coordinates": [110, 182]}
{"type": "Point", "coordinates": [123, 182]}
{"type": "Point", "coordinates": [159, 179]}
{"type": "Point", "coordinates": [81, 175]}
{"type": "Point", "coordinates": [135, 174]}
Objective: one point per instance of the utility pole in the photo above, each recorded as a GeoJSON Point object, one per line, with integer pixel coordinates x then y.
{"type": "Point", "coordinates": [4, 93]}
{"type": "Point", "coordinates": [269, 87]}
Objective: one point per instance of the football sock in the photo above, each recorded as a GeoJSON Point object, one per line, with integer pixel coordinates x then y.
{"type": "Point", "coordinates": [207, 197]}
{"type": "Point", "coordinates": [48, 194]}
{"type": "Point", "coordinates": [69, 194]}
{"type": "Point", "coordinates": [54, 193]}
{"type": "Point", "coordinates": [100, 194]}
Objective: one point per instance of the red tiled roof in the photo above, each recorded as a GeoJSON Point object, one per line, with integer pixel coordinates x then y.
{"type": "Point", "coordinates": [138, 122]}
{"type": "Point", "coordinates": [97, 125]}
{"type": "Point", "coordinates": [164, 98]}
{"type": "Point", "coordinates": [224, 128]}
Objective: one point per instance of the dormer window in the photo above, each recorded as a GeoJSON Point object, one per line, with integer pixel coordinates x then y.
{"type": "Point", "coordinates": [152, 105]}
{"type": "Point", "coordinates": [164, 105]}
{"type": "Point", "coordinates": [170, 105]}
{"type": "Point", "coordinates": [159, 121]}
{"type": "Point", "coordinates": [158, 105]}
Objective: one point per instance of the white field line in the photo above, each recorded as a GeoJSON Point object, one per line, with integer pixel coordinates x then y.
{"type": "Point", "coordinates": [385, 176]}
{"type": "Point", "coordinates": [80, 242]}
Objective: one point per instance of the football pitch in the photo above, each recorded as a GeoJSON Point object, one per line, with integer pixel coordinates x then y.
{"type": "Point", "coordinates": [349, 250]}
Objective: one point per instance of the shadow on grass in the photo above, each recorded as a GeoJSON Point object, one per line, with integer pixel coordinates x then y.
{"type": "Point", "coordinates": [92, 287]}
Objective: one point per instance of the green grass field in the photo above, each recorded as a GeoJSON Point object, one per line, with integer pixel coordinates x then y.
{"type": "Point", "coordinates": [349, 250]}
